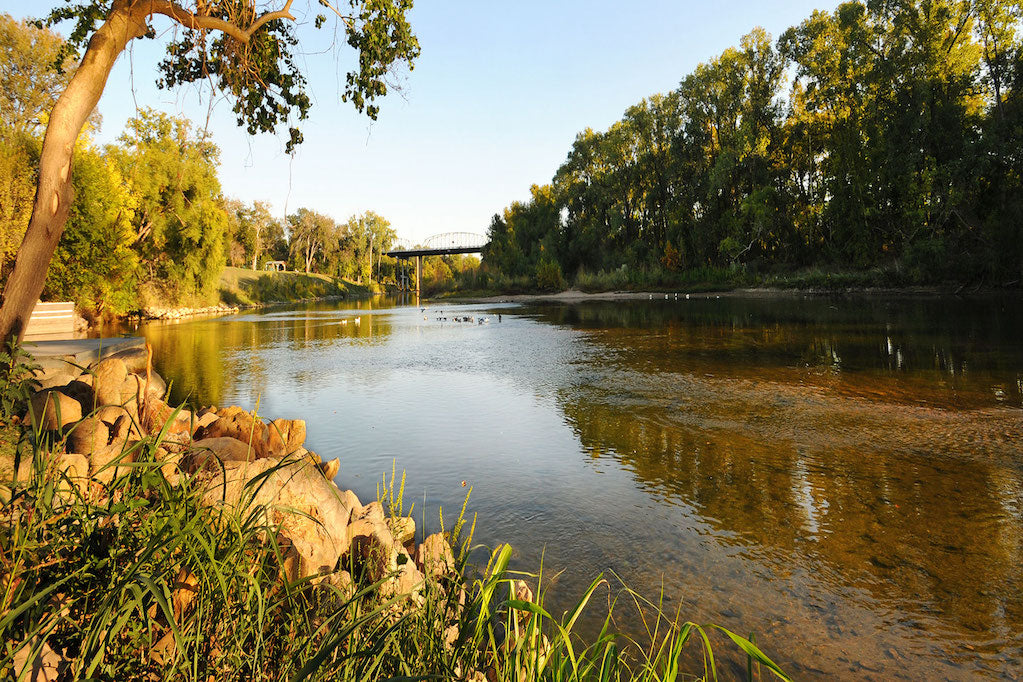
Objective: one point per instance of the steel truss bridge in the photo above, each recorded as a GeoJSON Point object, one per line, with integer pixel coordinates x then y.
{"type": "Point", "coordinates": [439, 245]}
{"type": "Point", "coordinates": [445, 244]}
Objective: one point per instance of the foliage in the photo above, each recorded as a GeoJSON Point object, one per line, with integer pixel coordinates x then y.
{"type": "Point", "coordinates": [96, 264]}
{"type": "Point", "coordinates": [261, 74]}
{"type": "Point", "coordinates": [17, 379]}
{"type": "Point", "coordinates": [18, 158]}
{"type": "Point", "coordinates": [179, 222]}
{"type": "Point", "coordinates": [893, 146]}
{"type": "Point", "coordinates": [29, 78]}
{"type": "Point", "coordinates": [548, 275]}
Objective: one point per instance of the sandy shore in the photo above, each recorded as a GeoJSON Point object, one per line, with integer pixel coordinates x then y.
{"type": "Point", "coordinates": [577, 296]}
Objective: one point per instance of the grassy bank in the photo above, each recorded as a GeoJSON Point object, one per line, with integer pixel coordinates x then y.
{"type": "Point", "coordinates": [240, 286]}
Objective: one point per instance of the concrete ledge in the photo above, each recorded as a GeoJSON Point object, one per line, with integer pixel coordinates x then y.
{"type": "Point", "coordinates": [62, 361]}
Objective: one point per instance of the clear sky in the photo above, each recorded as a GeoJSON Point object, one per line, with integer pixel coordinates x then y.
{"type": "Point", "coordinates": [492, 106]}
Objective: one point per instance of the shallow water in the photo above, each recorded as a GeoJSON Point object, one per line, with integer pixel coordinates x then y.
{"type": "Point", "coordinates": [843, 477]}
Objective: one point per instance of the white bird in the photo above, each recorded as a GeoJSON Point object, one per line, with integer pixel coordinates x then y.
{"type": "Point", "coordinates": [358, 320]}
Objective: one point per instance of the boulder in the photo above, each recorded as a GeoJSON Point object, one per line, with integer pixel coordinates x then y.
{"type": "Point", "coordinates": [351, 501]}
{"type": "Point", "coordinates": [105, 462]}
{"type": "Point", "coordinates": [134, 359]}
{"type": "Point", "coordinates": [308, 508]}
{"type": "Point", "coordinates": [373, 511]}
{"type": "Point", "coordinates": [201, 454]}
{"type": "Point", "coordinates": [234, 422]}
{"type": "Point", "coordinates": [406, 581]}
{"type": "Point", "coordinates": [403, 529]}
{"type": "Point", "coordinates": [52, 410]}
{"type": "Point", "coordinates": [111, 413]}
{"type": "Point", "coordinates": [89, 435]}
{"type": "Point", "coordinates": [330, 469]}
{"type": "Point", "coordinates": [434, 557]}
{"type": "Point", "coordinates": [108, 377]}
{"type": "Point", "coordinates": [204, 420]}
{"type": "Point", "coordinates": [82, 392]}
{"type": "Point", "coordinates": [373, 547]}
{"type": "Point", "coordinates": [76, 467]}
{"type": "Point", "coordinates": [291, 432]}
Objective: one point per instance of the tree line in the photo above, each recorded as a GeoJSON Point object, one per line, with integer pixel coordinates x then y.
{"type": "Point", "coordinates": [882, 136]}
{"type": "Point", "coordinates": [149, 223]}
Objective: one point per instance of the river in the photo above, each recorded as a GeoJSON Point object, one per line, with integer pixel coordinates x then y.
{"type": "Point", "coordinates": [841, 476]}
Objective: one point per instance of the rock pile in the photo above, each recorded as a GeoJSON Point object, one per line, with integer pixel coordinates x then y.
{"type": "Point", "coordinates": [238, 462]}
{"type": "Point", "coordinates": [178, 313]}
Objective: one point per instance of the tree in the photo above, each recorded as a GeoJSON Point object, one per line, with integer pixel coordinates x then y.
{"type": "Point", "coordinates": [30, 81]}
{"type": "Point", "coordinates": [95, 263]}
{"type": "Point", "coordinates": [179, 222]}
{"type": "Point", "coordinates": [310, 232]}
{"type": "Point", "coordinates": [242, 46]}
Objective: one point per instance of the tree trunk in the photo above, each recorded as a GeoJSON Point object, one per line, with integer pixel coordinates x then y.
{"type": "Point", "coordinates": [53, 191]}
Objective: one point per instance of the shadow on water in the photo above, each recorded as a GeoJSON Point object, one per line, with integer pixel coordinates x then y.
{"type": "Point", "coordinates": [843, 477]}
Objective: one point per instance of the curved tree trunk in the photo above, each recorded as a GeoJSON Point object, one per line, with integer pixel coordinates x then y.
{"type": "Point", "coordinates": [53, 191]}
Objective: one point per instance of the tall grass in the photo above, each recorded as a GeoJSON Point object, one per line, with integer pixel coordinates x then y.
{"type": "Point", "coordinates": [136, 579]}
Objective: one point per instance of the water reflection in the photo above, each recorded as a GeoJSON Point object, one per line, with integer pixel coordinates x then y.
{"type": "Point", "coordinates": [843, 477]}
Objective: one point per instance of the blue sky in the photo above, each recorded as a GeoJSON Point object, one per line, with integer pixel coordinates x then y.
{"type": "Point", "coordinates": [492, 106]}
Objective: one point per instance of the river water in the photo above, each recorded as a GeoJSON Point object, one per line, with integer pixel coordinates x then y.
{"type": "Point", "coordinates": [842, 477]}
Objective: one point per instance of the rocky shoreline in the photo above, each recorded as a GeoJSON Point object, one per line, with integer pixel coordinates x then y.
{"type": "Point", "coordinates": [100, 420]}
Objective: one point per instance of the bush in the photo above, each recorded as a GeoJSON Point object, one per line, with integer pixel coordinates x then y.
{"type": "Point", "coordinates": [548, 275]}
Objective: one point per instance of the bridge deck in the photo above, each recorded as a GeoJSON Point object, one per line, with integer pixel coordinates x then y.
{"type": "Point", "coordinates": [412, 253]}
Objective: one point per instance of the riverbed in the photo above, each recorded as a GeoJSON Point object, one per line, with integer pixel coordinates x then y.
{"type": "Point", "coordinates": [842, 476]}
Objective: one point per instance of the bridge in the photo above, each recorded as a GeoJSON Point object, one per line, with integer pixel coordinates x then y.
{"type": "Point", "coordinates": [445, 244]}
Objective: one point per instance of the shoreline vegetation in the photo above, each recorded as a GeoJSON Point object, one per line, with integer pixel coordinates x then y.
{"type": "Point", "coordinates": [146, 541]}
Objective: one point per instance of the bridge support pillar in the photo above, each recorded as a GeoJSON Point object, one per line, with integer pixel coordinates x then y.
{"type": "Point", "coordinates": [419, 273]}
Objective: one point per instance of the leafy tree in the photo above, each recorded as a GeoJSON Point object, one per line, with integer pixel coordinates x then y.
{"type": "Point", "coordinates": [95, 264]}
{"type": "Point", "coordinates": [179, 222]}
{"type": "Point", "coordinates": [310, 233]}
{"type": "Point", "coordinates": [30, 81]}
{"type": "Point", "coordinates": [18, 162]}
{"type": "Point", "coordinates": [245, 51]}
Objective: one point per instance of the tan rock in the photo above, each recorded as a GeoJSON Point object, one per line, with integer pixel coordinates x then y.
{"type": "Point", "coordinates": [373, 511]}
{"type": "Point", "coordinates": [351, 501]}
{"type": "Point", "coordinates": [434, 557]}
{"type": "Point", "coordinates": [203, 453]}
{"type": "Point", "coordinates": [307, 507]}
{"type": "Point", "coordinates": [74, 466]}
{"type": "Point", "coordinates": [205, 420]}
{"type": "Point", "coordinates": [110, 414]}
{"type": "Point", "coordinates": [342, 582]}
{"type": "Point", "coordinates": [82, 392]}
{"type": "Point", "coordinates": [105, 463]}
{"type": "Point", "coordinates": [235, 422]}
{"type": "Point", "coordinates": [108, 377]}
{"type": "Point", "coordinates": [291, 432]}
{"type": "Point", "coordinates": [407, 579]}
{"type": "Point", "coordinates": [330, 469]}
{"type": "Point", "coordinates": [403, 529]}
{"type": "Point", "coordinates": [373, 546]}
{"type": "Point", "coordinates": [53, 410]}
{"type": "Point", "coordinates": [89, 435]}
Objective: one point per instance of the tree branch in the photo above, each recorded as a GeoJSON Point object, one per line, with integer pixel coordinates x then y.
{"type": "Point", "coordinates": [197, 21]}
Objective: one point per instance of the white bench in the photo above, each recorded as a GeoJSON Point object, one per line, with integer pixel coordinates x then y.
{"type": "Point", "coordinates": [51, 319]}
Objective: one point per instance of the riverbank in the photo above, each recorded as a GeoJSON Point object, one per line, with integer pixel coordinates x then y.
{"type": "Point", "coordinates": [578, 296]}
{"type": "Point", "coordinates": [149, 540]}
